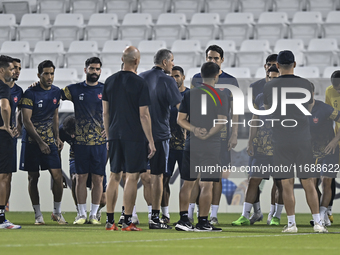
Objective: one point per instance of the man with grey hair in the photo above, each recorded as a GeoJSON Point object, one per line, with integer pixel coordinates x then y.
{"type": "Point", "coordinates": [163, 94]}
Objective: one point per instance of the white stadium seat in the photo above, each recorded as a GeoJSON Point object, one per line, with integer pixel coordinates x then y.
{"type": "Point", "coordinates": [329, 70]}
{"type": "Point", "coordinates": [112, 52]}
{"type": "Point", "coordinates": [27, 77]}
{"type": "Point", "coordinates": [288, 6]}
{"type": "Point", "coordinates": [331, 27]}
{"type": "Point", "coordinates": [260, 73]}
{"type": "Point", "coordinates": [7, 27]}
{"type": "Point", "coordinates": [323, 6]}
{"type": "Point", "coordinates": [85, 7]}
{"type": "Point", "coordinates": [307, 72]}
{"type": "Point", "coordinates": [119, 7]}
{"type": "Point", "coordinates": [52, 7]}
{"type": "Point", "coordinates": [19, 8]}
{"type": "Point", "coordinates": [187, 53]}
{"type": "Point", "coordinates": [188, 7]}
{"type": "Point", "coordinates": [256, 7]}
{"type": "Point", "coordinates": [238, 72]}
{"type": "Point", "coordinates": [154, 7]}
{"type": "Point", "coordinates": [294, 45]}
{"type": "Point", "coordinates": [229, 50]}
{"type": "Point", "coordinates": [147, 51]}
{"type": "Point", "coordinates": [65, 76]}
{"type": "Point", "coordinates": [220, 6]}
{"type": "Point", "coordinates": [189, 74]}
{"type": "Point", "coordinates": [52, 50]}
{"type": "Point", "coordinates": [17, 49]}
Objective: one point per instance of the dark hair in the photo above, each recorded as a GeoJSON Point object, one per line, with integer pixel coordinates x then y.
{"type": "Point", "coordinates": [93, 60]}
{"type": "Point", "coordinates": [286, 66]}
{"type": "Point", "coordinates": [216, 48]}
{"type": "Point", "coordinates": [161, 55]}
{"type": "Point", "coordinates": [69, 125]}
{"type": "Point", "coordinates": [271, 58]}
{"type": "Point", "coordinates": [16, 60]}
{"type": "Point", "coordinates": [273, 69]}
{"type": "Point", "coordinates": [313, 86]}
{"type": "Point", "coordinates": [209, 70]}
{"type": "Point", "coordinates": [45, 64]}
{"type": "Point", "coordinates": [178, 68]}
{"type": "Point", "coordinates": [335, 78]}
{"type": "Point", "coordinates": [5, 60]}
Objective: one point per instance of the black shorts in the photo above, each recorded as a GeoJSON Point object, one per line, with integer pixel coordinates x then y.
{"type": "Point", "coordinates": [328, 166]}
{"type": "Point", "coordinates": [259, 167]}
{"type": "Point", "coordinates": [90, 159]}
{"type": "Point", "coordinates": [128, 155]}
{"type": "Point", "coordinates": [159, 161]}
{"type": "Point", "coordinates": [174, 156]}
{"type": "Point", "coordinates": [288, 157]}
{"type": "Point", "coordinates": [195, 165]}
{"type": "Point", "coordinates": [33, 160]}
{"type": "Point", "coordinates": [14, 164]}
{"type": "Point", "coordinates": [6, 152]}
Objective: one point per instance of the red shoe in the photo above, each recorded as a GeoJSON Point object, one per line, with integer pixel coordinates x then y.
{"type": "Point", "coordinates": [131, 227]}
{"type": "Point", "coordinates": [110, 226]}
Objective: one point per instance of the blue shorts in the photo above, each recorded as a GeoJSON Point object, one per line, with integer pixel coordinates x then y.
{"type": "Point", "coordinates": [256, 167]}
{"type": "Point", "coordinates": [328, 166]}
{"type": "Point", "coordinates": [174, 156]}
{"type": "Point", "coordinates": [159, 161]}
{"type": "Point", "coordinates": [14, 164]}
{"type": "Point", "coordinates": [72, 167]}
{"type": "Point", "coordinates": [33, 160]}
{"type": "Point", "coordinates": [90, 159]}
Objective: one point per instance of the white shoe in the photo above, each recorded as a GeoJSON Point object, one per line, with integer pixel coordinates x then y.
{"type": "Point", "coordinates": [99, 215]}
{"type": "Point", "coordinates": [269, 219]}
{"type": "Point", "coordinates": [255, 217]}
{"type": "Point", "coordinates": [135, 219]}
{"type": "Point", "coordinates": [9, 225]}
{"type": "Point", "coordinates": [39, 220]}
{"type": "Point", "coordinates": [58, 217]}
{"type": "Point", "coordinates": [291, 229]}
{"type": "Point", "coordinates": [319, 228]}
{"type": "Point", "coordinates": [327, 221]}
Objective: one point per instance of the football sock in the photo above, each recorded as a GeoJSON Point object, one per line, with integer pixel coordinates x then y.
{"type": "Point", "coordinates": [123, 210]}
{"type": "Point", "coordinates": [150, 211]}
{"type": "Point", "coordinates": [82, 209]}
{"type": "Point", "coordinates": [272, 209]}
{"type": "Point", "coordinates": [110, 218]}
{"type": "Point", "coordinates": [246, 209]}
{"type": "Point", "coordinates": [214, 209]}
{"type": "Point", "coordinates": [184, 216]}
{"type": "Point", "coordinates": [202, 220]}
{"type": "Point", "coordinates": [165, 211]}
{"type": "Point", "coordinates": [316, 218]}
{"type": "Point", "coordinates": [191, 210]}
{"type": "Point", "coordinates": [37, 211]}
{"type": "Point", "coordinates": [57, 207]}
{"type": "Point", "coordinates": [94, 209]}
{"type": "Point", "coordinates": [134, 212]}
{"type": "Point", "coordinates": [198, 210]}
{"type": "Point", "coordinates": [291, 220]}
{"type": "Point", "coordinates": [257, 208]}
{"type": "Point", "coordinates": [155, 216]}
{"type": "Point", "coordinates": [2, 214]}
{"type": "Point", "coordinates": [323, 211]}
{"type": "Point", "coordinates": [127, 219]}
{"type": "Point", "coordinates": [278, 210]}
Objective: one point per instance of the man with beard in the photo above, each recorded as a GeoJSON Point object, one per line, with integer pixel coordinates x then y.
{"type": "Point", "coordinates": [89, 145]}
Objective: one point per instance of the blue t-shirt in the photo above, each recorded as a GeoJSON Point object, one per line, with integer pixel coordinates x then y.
{"type": "Point", "coordinates": [164, 94]}
{"type": "Point", "coordinates": [321, 127]}
{"type": "Point", "coordinates": [88, 108]}
{"type": "Point", "coordinates": [5, 92]}
{"type": "Point", "coordinates": [257, 87]}
{"type": "Point", "coordinates": [64, 137]}
{"type": "Point", "coordinates": [177, 134]}
{"type": "Point", "coordinates": [16, 95]}
{"type": "Point", "coordinates": [43, 104]}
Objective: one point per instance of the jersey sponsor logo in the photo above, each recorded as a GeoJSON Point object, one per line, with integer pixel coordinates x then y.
{"type": "Point", "coordinates": [15, 99]}
{"type": "Point", "coordinates": [40, 103]}
{"type": "Point", "coordinates": [54, 100]}
{"type": "Point", "coordinates": [315, 120]}
{"type": "Point", "coordinates": [81, 96]}
{"type": "Point", "coordinates": [100, 96]}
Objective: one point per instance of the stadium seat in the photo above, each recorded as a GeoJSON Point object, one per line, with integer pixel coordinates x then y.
{"type": "Point", "coordinates": [323, 6]}
{"type": "Point", "coordinates": [52, 7]}
{"type": "Point", "coordinates": [102, 27]}
{"type": "Point", "coordinates": [111, 54]}
{"type": "Point", "coordinates": [220, 6]}
{"type": "Point", "coordinates": [136, 27]}
{"type": "Point", "coordinates": [187, 53]}
{"type": "Point", "coordinates": [188, 7]}
{"type": "Point", "coordinates": [331, 27]}
{"type": "Point", "coordinates": [252, 54]}
{"type": "Point", "coordinates": [271, 26]}
{"type": "Point", "coordinates": [307, 71]}
{"type": "Point", "coordinates": [289, 6]}
{"type": "Point", "coordinates": [65, 76]}
{"type": "Point", "coordinates": [329, 70]}
{"type": "Point", "coordinates": [170, 27]}
{"type": "Point", "coordinates": [66, 106]}
{"type": "Point", "coordinates": [78, 52]}
{"type": "Point", "coordinates": [189, 74]}
{"type": "Point", "coordinates": [147, 51]}
{"type": "Point", "coordinates": [322, 53]}
{"type": "Point", "coordinates": [120, 7]}
{"type": "Point", "coordinates": [294, 45]}
{"type": "Point", "coordinates": [154, 7]}
{"type": "Point", "coordinates": [27, 77]}
{"type": "Point", "coordinates": [256, 7]}
{"type": "Point", "coordinates": [52, 50]}
{"type": "Point", "coordinates": [17, 49]}
{"type": "Point", "coordinates": [306, 26]}
{"type": "Point", "coordinates": [19, 8]}
{"type": "Point", "coordinates": [229, 50]}
{"type": "Point", "coordinates": [68, 27]}
{"type": "Point", "coordinates": [238, 72]}
{"type": "Point", "coordinates": [7, 27]}
{"type": "Point", "coordinates": [34, 28]}
{"type": "Point", "coordinates": [260, 73]}
{"type": "Point", "coordinates": [237, 27]}
{"type": "Point", "coordinates": [85, 7]}
{"type": "Point", "coordinates": [204, 27]}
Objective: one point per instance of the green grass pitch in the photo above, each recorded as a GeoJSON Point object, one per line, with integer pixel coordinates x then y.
{"type": "Point", "coordinates": [89, 239]}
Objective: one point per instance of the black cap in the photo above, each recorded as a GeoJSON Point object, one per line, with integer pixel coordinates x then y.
{"type": "Point", "coordinates": [285, 57]}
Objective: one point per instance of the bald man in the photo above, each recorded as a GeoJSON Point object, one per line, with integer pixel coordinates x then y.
{"type": "Point", "coordinates": [127, 122]}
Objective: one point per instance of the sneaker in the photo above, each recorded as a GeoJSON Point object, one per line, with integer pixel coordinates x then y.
{"type": "Point", "coordinates": [255, 217]}
{"type": "Point", "coordinates": [9, 225]}
{"type": "Point", "coordinates": [80, 221]}
{"type": "Point", "coordinates": [327, 221]}
{"type": "Point", "coordinates": [291, 229]}
{"type": "Point", "coordinates": [93, 220]}
{"type": "Point", "coordinates": [131, 227]}
{"type": "Point", "coordinates": [311, 222]}
{"type": "Point", "coordinates": [275, 221]}
{"type": "Point", "coordinates": [319, 228]}
{"type": "Point", "coordinates": [184, 226]}
{"type": "Point", "coordinates": [58, 217]}
{"type": "Point", "coordinates": [269, 219]}
{"type": "Point", "coordinates": [164, 219]}
{"type": "Point", "coordinates": [159, 225]}
{"type": "Point", "coordinates": [135, 219]}
{"type": "Point", "coordinates": [330, 217]}
{"type": "Point", "coordinates": [214, 221]}
{"type": "Point", "coordinates": [39, 220]}
{"type": "Point", "coordinates": [207, 227]}
{"type": "Point", "coordinates": [242, 221]}
{"type": "Point", "coordinates": [121, 220]}
{"type": "Point", "coordinates": [111, 227]}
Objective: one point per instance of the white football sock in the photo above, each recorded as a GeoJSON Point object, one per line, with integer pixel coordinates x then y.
{"type": "Point", "coordinates": [150, 211]}
{"type": "Point", "coordinates": [316, 218]}
{"type": "Point", "coordinates": [291, 220]}
{"type": "Point", "coordinates": [272, 210]}
{"type": "Point", "coordinates": [257, 208]}
{"type": "Point", "coordinates": [57, 207]}
{"type": "Point", "coordinates": [323, 211]}
{"type": "Point", "coordinates": [278, 210]}
{"type": "Point", "coordinates": [82, 210]}
{"type": "Point", "coordinates": [165, 211]}
{"type": "Point", "coordinates": [37, 211]}
{"type": "Point", "coordinates": [214, 209]}
{"type": "Point", "coordinates": [246, 209]}
{"type": "Point", "coordinates": [134, 212]}
{"type": "Point", "coordinates": [198, 211]}
{"type": "Point", "coordinates": [94, 209]}
{"type": "Point", "coordinates": [191, 210]}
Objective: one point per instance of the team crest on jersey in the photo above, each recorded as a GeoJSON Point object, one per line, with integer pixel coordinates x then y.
{"type": "Point", "coordinates": [15, 99]}
{"type": "Point", "coordinates": [81, 96]}
{"type": "Point", "coordinates": [54, 100]}
{"type": "Point", "coordinates": [315, 120]}
{"type": "Point", "coordinates": [100, 96]}
{"type": "Point", "coordinates": [40, 103]}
